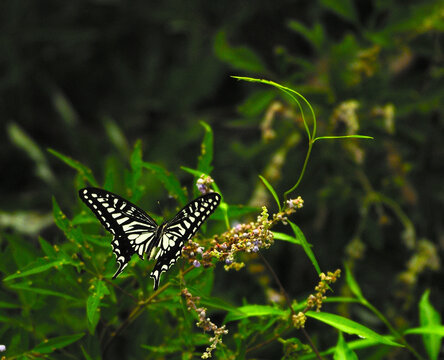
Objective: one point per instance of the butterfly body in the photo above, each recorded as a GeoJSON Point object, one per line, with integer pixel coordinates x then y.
{"type": "Point", "coordinates": [135, 232]}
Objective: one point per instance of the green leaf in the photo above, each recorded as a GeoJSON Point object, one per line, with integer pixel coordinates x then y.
{"type": "Point", "coordinates": [272, 191]}
{"type": "Point", "coordinates": [351, 327]}
{"type": "Point", "coordinates": [305, 245]}
{"type": "Point", "coordinates": [83, 171]}
{"type": "Point", "coordinates": [213, 302]}
{"type": "Point", "coordinates": [342, 351]}
{"type": "Point", "coordinates": [246, 311]}
{"type": "Point", "coordinates": [430, 318]}
{"type": "Point", "coordinates": [343, 8]}
{"type": "Point", "coordinates": [314, 35]}
{"type": "Point", "coordinates": [353, 345]}
{"type": "Point", "coordinates": [40, 265]}
{"type": "Point", "coordinates": [136, 167]}
{"type": "Point", "coordinates": [25, 286]}
{"type": "Point", "coordinates": [172, 185]}
{"type": "Point", "coordinates": [353, 285]}
{"type": "Point", "coordinates": [47, 248]}
{"type": "Point", "coordinates": [285, 237]}
{"type": "Point", "coordinates": [435, 330]}
{"type": "Point", "coordinates": [8, 305]}
{"type": "Point", "coordinates": [206, 154]}
{"type": "Point", "coordinates": [98, 291]}
{"type": "Point", "coordinates": [257, 103]}
{"type": "Point", "coordinates": [60, 218]}
{"type": "Point", "coordinates": [59, 342]}
{"type": "Point", "coordinates": [240, 58]}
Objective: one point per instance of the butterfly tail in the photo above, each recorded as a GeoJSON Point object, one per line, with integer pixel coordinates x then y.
{"type": "Point", "coordinates": [155, 274]}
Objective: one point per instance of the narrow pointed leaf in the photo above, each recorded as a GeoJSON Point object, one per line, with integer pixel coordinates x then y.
{"type": "Point", "coordinates": [84, 171]}
{"type": "Point", "coordinates": [305, 245]}
{"type": "Point", "coordinates": [342, 351]}
{"type": "Point", "coordinates": [350, 327]}
{"type": "Point", "coordinates": [353, 285]}
{"type": "Point", "coordinates": [246, 311]}
{"type": "Point", "coordinates": [98, 291]}
{"type": "Point", "coordinates": [206, 155]}
{"type": "Point", "coordinates": [59, 342]}
{"type": "Point", "coordinates": [429, 317]}
{"type": "Point", "coordinates": [272, 191]}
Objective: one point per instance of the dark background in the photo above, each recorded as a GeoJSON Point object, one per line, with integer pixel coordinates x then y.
{"type": "Point", "coordinates": [89, 78]}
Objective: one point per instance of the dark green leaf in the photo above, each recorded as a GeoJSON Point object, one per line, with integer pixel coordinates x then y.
{"type": "Point", "coordinates": [25, 286]}
{"type": "Point", "coordinates": [98, 291]}
{"type": "Point", "coordinates": [257, 103]}
{"type": "Point", "coordinates": [84, 171]}
{"type": "Point", "coordinates": [47, 248]}
{"type": "Point", "coordinates": [206, 155]}
{"type": "Point", "coordinates": [343, 8]}
{"type": "Point", "coordinates": [59, 342]}
{"type": "Point", "coordinates": [40, 265]}
{"type": "Point", "coordinates": [315, 35]}
{"type": "Point", "coordinates": [172, 185]}
{"type": "Point", "coordinates": [240, 58]}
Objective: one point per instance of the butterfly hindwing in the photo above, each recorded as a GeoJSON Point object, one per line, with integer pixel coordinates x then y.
{"type": "Point", "coordinates": [133, 230]}
{"type": "Point", "coordinates": [176, 232]}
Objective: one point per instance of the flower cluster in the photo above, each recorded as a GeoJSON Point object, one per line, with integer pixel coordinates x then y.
{"type": "Point", "coordinates": [346, 115]}
{"type": "Point", "coordinates": [204, 322]}
{"type": "Point", "coordinates": [321, 289]}
{"type": "Point", "coordinates": [316, 299]}
{"type": "Point", "coordinates": [294, 204]}
{"type": "Point", "coordinates": [204, 184]}
{"type": "Point", "coordinates": [248, 238]}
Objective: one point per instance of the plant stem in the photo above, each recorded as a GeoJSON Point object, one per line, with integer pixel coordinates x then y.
{"type": "Point", "coordinates": [310, 145]}
{"type": "Point", "coordinates": [287, 299]}
{"type": "Point", "coordinates": [135, 313]}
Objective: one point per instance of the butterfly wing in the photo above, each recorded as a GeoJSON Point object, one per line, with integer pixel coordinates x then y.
{"type": "Point", "coordinates": [133, 230]}
{"type": "Point", "coordinates": [176, 232]}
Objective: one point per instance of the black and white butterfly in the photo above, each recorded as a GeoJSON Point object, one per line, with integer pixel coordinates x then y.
{"type": "Point", "coordinates": [135, 232]}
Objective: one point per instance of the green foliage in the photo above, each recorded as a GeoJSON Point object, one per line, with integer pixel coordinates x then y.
{"type": "Point", "coordinates": [132, 90]}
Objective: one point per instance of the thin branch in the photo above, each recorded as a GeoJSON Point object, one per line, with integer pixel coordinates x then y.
{"type": "Point", "coordinates": [287, 298]}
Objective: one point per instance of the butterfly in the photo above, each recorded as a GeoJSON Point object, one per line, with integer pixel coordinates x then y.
{"type": "Point", "coordinates": [135, 232]}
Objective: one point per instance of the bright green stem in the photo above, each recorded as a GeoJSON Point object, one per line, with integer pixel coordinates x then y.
{"type": "Point", "coordinates": [310, 145]}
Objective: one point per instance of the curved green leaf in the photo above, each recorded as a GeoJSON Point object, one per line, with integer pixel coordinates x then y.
{"type": "Point", "coordinates": [305, 245]}
{"type": "Point", "coordinates": [272, 191]}
{"type": "Point", "coordinates": [351, 327]}
{"type": "Point", "coordinates": [430, 318]}
{"type": "Point", "coordinates": [246, 311]}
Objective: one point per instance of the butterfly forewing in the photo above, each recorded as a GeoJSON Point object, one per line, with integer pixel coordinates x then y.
{"type": "Point", "coordinates": [179, 230]}
{"type": "Point", "coordinates": [132, 228]}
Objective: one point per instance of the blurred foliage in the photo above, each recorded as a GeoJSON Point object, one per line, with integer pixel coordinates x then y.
{"type": "Point", "coordinates": [88, 79]}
